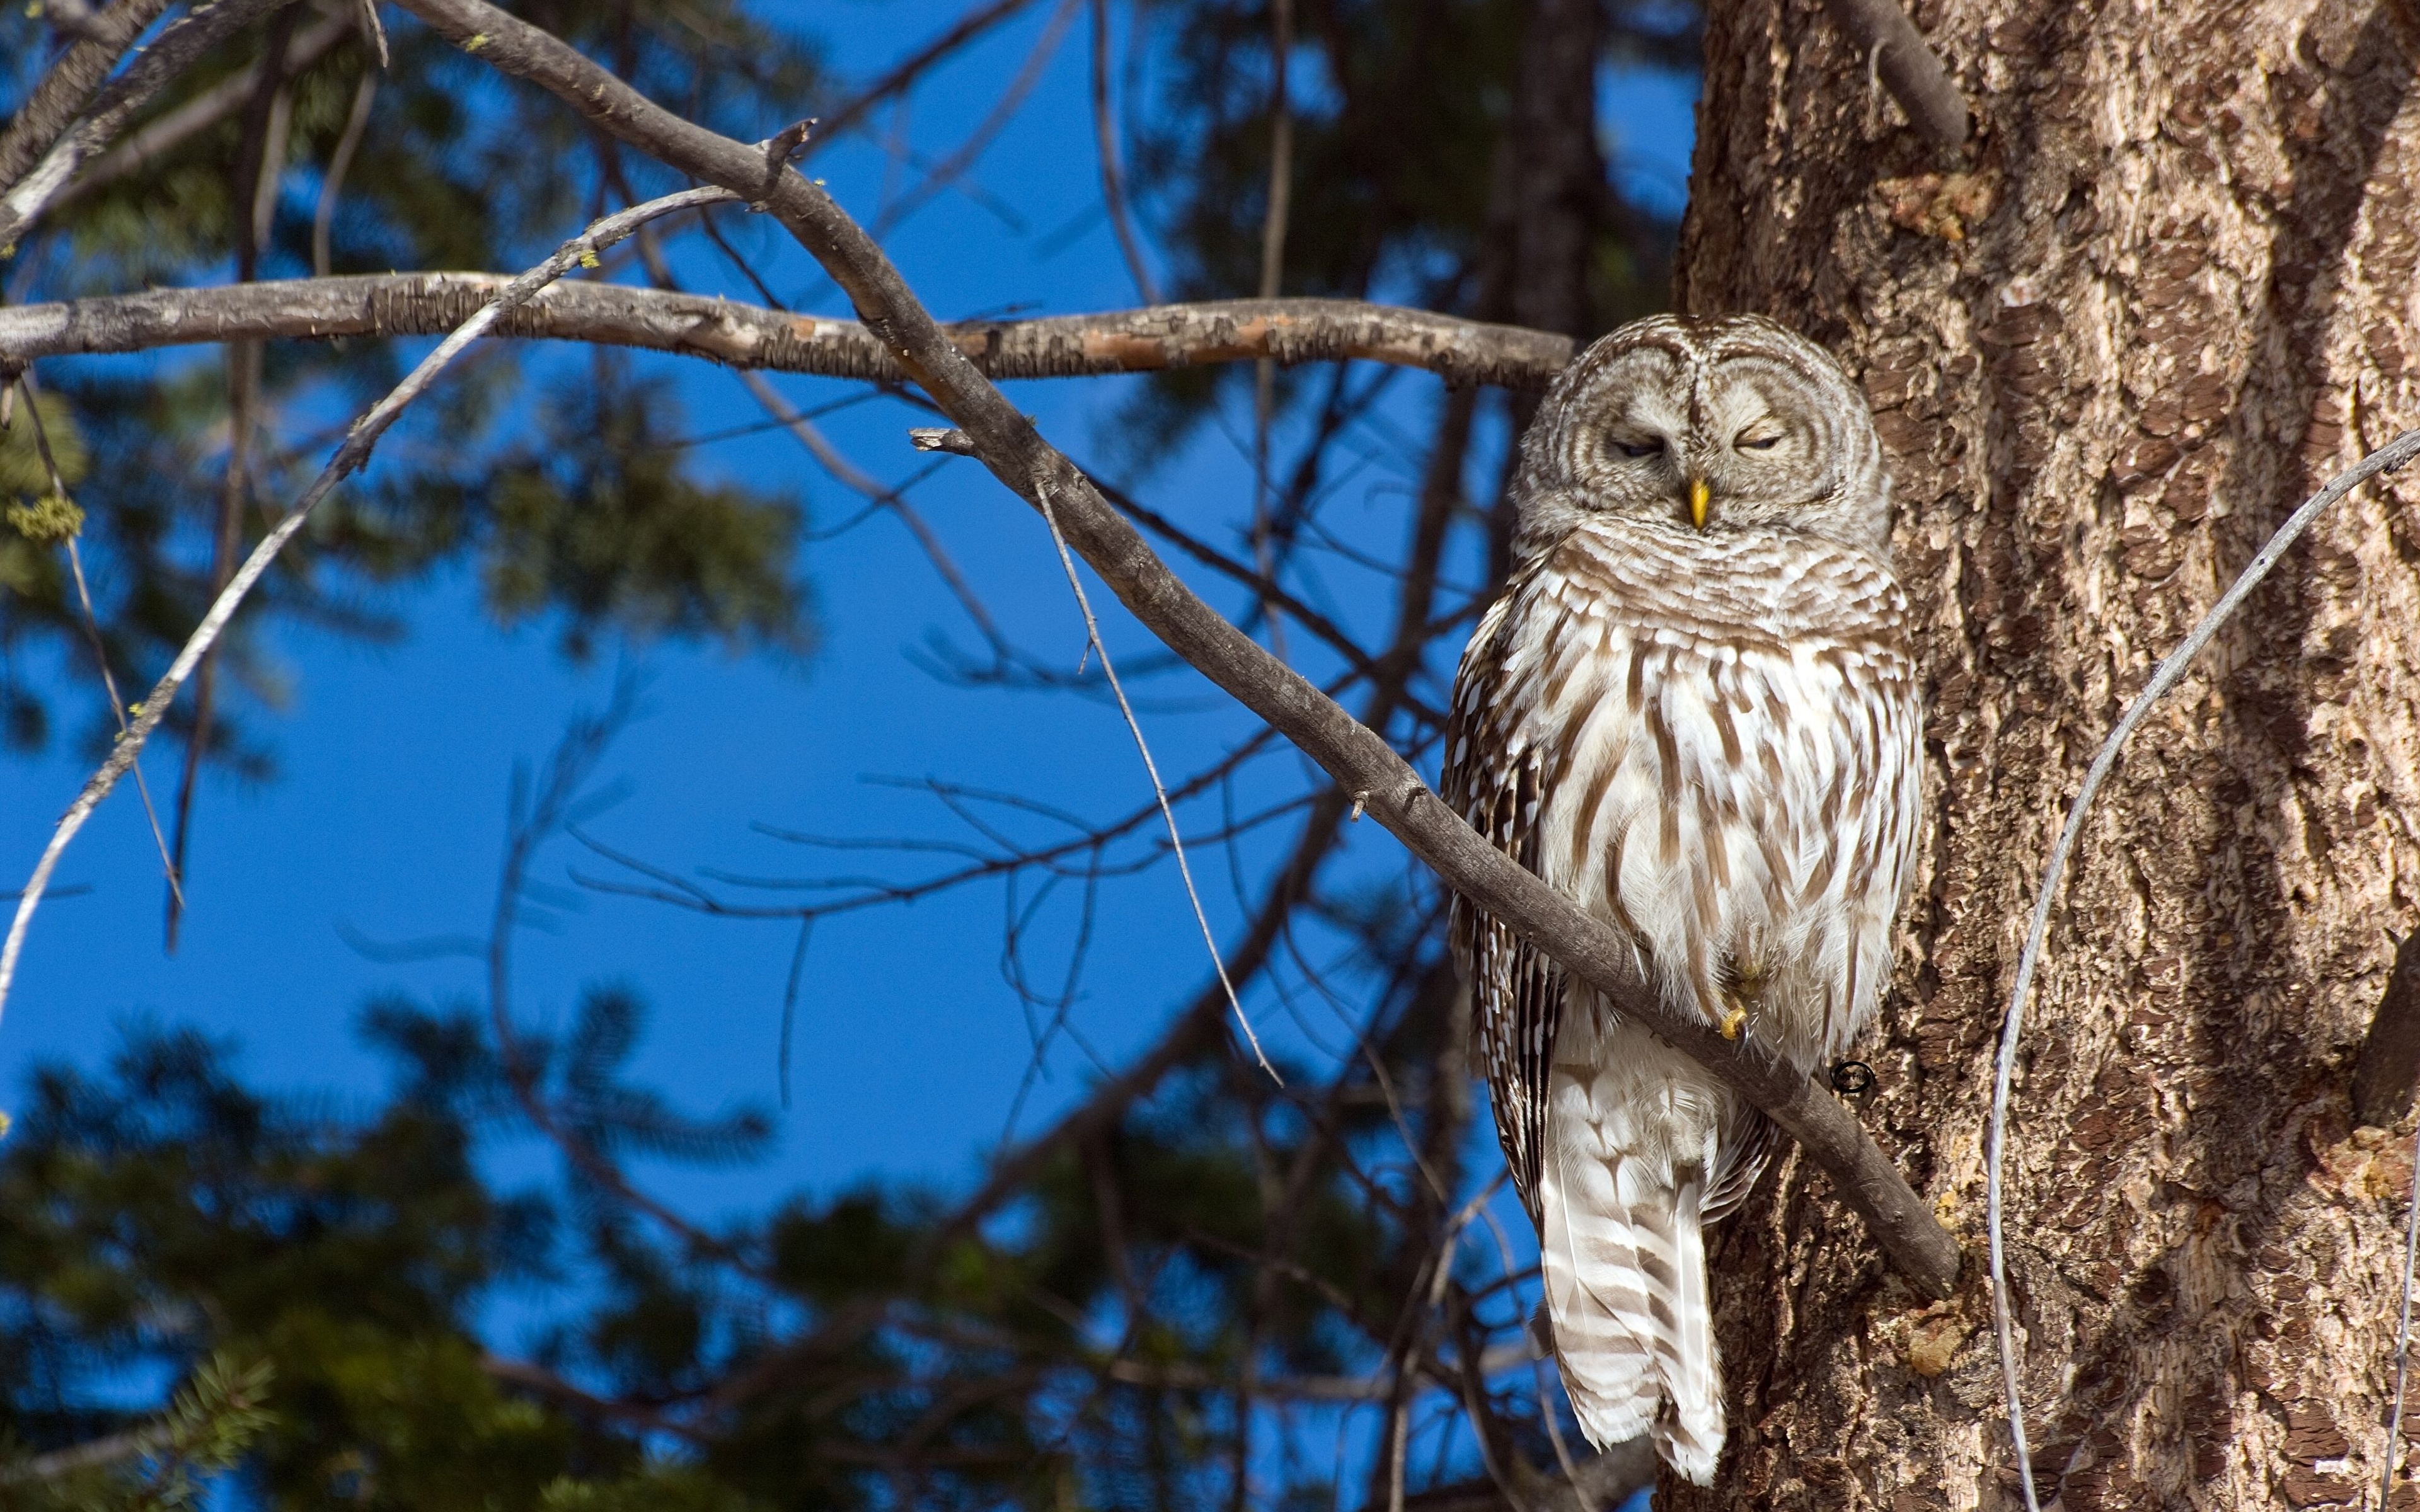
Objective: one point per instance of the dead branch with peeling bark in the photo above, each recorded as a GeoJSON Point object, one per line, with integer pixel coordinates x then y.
{"type": "Point", "coordinates": [1150, 340]}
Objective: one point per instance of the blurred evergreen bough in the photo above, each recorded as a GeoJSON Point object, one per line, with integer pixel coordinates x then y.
{"type": "Point", "coordinates": [159, 1211]}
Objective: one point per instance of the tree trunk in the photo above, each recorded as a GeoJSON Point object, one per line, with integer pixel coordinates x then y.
{"type": "Point", "coordinates": [2165, 298]}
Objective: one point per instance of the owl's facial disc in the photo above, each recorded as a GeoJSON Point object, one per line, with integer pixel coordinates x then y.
{"type": "Point", "coordinates": [1712, 424]}
{"type": "Point", "coordinates": [1715, 449]}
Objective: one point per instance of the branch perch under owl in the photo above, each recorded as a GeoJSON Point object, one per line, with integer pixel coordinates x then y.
{"type": "Point", "coordinates": [1361, 761]}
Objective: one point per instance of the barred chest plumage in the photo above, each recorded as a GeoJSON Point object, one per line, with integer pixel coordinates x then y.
{"type": "Point", "coordinates": [1724, 737]}
{"type": "Point", "coordinates": [1713, 742]}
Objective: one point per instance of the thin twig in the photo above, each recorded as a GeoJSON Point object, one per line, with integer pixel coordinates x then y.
{"type": "Point", "coordinates": [109, 1449]}
{"type": "Point", "coordinates": [858, 893]}
{"type": "Point", "coordinates": [340, 161]}
{"type": "Point", "coordinates": [553, 806]}
{"type": "Point", "coordinates": [790, 1001]}
{"type": "Point", "coordinates": [854, 478]}
{"type": "Point", "coordinates": [1538, 1357]}
{"type": "Point", "coordinates": [535, 1378]}
{"type": "Point", "coordinates": [1271, 595]}
{"type": "Point", "coordinates": [1273, 240]}
{"type": "Point", "coordinates": [1175, 839]}
{"type": "Point", "coordinates": [804, 429]}
{"type": "Point", "coordinates": [1105, 147]}
{"type": "Point", "coordinates": [374, 29]}
{"type": "Point", "coordinates": [92, 624]}
{"type": "Point", "coordinates": [1012, 1172]}
{"type": "Point", "coordinates": [1908, 66]}
{"type": "Point", "coordinates": [261, 165]}
{"type": "Point", "coordinates": [1280, 185]}
{"type": "Point", "coordinates": [904, 74]}
{"type": "Point", "coordinates": [1012, 99]}
{"type": "Point", "coordinates": [1274, 597]}
{"type": "Point", "coordinates": [52, 106]}
{"type": "Point", "coordinates": [172, 128]}
{"type": "Point", "coordinates": [2402, 1336]}
{"type": "Point", "coordinates": [351, 456]}
{"type": "Point", "coordinates": [2386, 459]}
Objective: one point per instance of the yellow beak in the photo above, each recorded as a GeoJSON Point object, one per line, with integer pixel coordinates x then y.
{"type": "Point", "coordinates": [1698, 503]}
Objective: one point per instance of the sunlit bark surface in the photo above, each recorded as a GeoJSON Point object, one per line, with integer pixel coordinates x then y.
{"type": "Point", "coordinates": [2167, 295]}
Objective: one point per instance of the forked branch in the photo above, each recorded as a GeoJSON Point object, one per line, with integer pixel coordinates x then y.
{"type": "Point", "coordinates": [64, 92]}
{"type": "Point", "coordinates": [1358, 759]}
{"type": "Point", "coordinates": [30, 193]}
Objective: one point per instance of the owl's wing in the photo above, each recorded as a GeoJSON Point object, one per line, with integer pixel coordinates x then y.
{"type": "Point", "coordinates": [1747, 1149]}
{"type": "Point", "coordinates": [1495, 779]}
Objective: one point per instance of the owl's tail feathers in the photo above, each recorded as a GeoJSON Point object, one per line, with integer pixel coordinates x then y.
{"type": "Point", "coordinates": [1625, 1283]}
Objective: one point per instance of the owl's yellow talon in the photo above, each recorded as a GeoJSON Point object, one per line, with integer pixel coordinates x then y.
{"type": "Point", "coordinates": [1731, 1022]}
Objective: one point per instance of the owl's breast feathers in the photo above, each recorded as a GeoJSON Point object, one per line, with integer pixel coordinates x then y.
{"type": "Point", "coordinates": [1712, 742]}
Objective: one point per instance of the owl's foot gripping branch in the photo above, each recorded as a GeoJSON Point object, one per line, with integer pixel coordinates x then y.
{"type": "Point", "coordinates": [1359, 759]}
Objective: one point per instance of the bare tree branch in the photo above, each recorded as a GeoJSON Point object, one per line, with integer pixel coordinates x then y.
{"type": "Point", "coordinates": [178, 48]}
{"type": "Point", "coordinates": [70, 18]}
{"type": "Point", "coordinates": [1158, 788]}
{"type": "Point", "coordinates": [1177, 1376]}
{"type": "Point", "coordinates": [541, 1381]}
{"type": "Point", "coordinates": [109, 1449]}
{"type": "Point", "coordinates": [1602, 1481]}
{"type": "Point", "coordinates": [1271, 595]}
{"type": "Point", "coordinates": [259, 169]}
{"type": "Point", "coordinates": [2170, 670]}
{"type": "Point", "coordinates": [1279, 201]}
{"type": "Point", "coordinates": [64, 92]}
{"type": "Point", "coordinates": [1463, 352]}
{"type": "Point", "coordinates": [1112, 161]}
{"type": "Point", "coordinates": [1908, 66]}
{"type": "Point", "coordinates": [93, 636]}
{"type": "Point", "coordinates": [1015, 1171]}
{"type": "Point", "coordinates": [1361, 761]}
{"type": "Point", "coordinates": [175, 128]}
{"type": "Point", "coordinates": [340, 162]}
{"type": "Point", "coordinates": [904, 74]}
{"type": "Point", "coordinates": [1012, 99]}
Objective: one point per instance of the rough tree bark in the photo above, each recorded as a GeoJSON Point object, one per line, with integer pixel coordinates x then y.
{"type": "Point", "coordinates": [2168, 293]}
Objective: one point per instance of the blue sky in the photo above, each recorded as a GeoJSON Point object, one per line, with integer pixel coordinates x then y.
{"type": "Point", "coordinates": [386, 820]}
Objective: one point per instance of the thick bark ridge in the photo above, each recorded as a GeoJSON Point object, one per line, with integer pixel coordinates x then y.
{"type": "Point", "coordinates": [2168, 295]}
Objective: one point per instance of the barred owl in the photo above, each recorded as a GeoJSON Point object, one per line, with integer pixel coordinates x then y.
{"type": "Point", "coordinates": [1694, 712]}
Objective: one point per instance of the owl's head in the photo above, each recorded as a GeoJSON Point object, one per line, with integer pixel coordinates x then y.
{"type": "Point", "coordinates": [1720, 424]}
